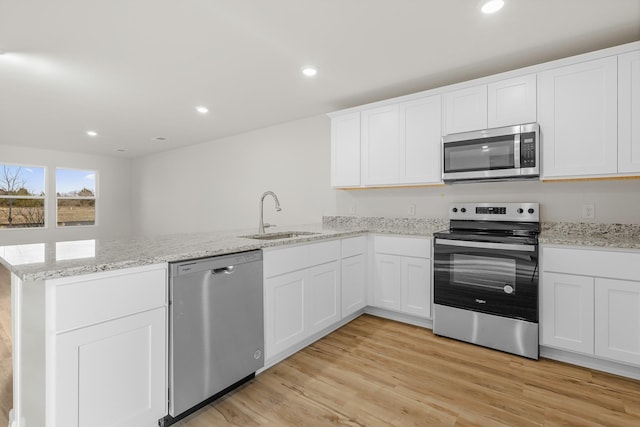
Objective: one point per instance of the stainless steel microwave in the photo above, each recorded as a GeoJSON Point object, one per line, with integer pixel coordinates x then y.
{"type": "Point", "coordinates": [507, 153]}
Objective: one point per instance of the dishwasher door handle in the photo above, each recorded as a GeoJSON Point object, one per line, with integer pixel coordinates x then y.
{"type": "Point", "coordinates": [224, 270]}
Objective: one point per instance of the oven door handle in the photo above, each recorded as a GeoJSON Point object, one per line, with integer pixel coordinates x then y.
{"type": "Point", "coordinates": [487, 245]}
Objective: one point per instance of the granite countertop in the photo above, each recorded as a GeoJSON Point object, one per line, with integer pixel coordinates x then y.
{"type": "Point", "coordinates": [613, 236]}
{"type": "Point", "coordinates": [50, 260]}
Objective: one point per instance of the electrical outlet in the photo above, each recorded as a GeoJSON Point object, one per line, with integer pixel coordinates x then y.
{"type": "Point", "coordinates": [352, 209]}
{"type": "Point", "coordinates": [588, 211]}
{"type": "Point", "coordinates": [412, 209]}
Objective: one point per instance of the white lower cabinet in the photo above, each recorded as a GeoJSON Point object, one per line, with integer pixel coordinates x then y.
{"type": "Point", "coordinates": [113, 373]}
{"type": "Point", "coordinates": [284, 312]}
{"type": "Point", "coordinates": [415, 286]}
{"type": "Point", "coordinates": [106, 349]}
{"type": "Point", "coordinates": [302, 294]}
{"type": "Point", "coordinates": [353, 275]}
{"type": "Point", "coordinates": [591, 303]}
{"type": "Point", "coordinates": [402, 274]}
{"type": "Point", "coordinates": [617, 320]}
{"type": "Point", "coordinates": [567, 312]}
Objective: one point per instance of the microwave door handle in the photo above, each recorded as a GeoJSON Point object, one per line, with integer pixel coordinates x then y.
{"type": "Point", "coordinates": [516, 151]}
{"type": "Point", "coordinates": [486, 245]}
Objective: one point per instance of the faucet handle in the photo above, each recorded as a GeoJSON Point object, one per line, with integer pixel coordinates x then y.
{"type": "Point", "coordinates": [269, 225]}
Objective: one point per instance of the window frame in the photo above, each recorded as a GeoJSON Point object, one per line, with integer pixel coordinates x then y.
{"type": "Point", "coordinates": [44, 197]}
{"type": "Point", "coordinates": [94, 197]}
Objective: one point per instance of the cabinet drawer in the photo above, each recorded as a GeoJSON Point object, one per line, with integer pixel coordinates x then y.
{"type": "Point", "coordinates": [354, 246]}
{"type": "Point", "coordinates": [587, 262]}
{"type": "Point", "coordinates": [96, 299]}
{"type": "Point", "coordinates": [280, 261]}
{"type": "Point", "coordinates": [404, 246]}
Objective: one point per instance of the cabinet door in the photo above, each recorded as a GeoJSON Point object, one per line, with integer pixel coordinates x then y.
{"type": "Point", "coordinates": [577, 111]}
{"type": "Point", "coordinates": [416, 286]}
{"type": "Point", "coordinates": [354, 285]}
{"type": "Point", "coordinates": [420, 122]}
{"type": "Point", "coordinates": [345, 150]}
{"type": "Point", "coordinates": [322, 297]}
{"type": "Point", "coordinates": [465, 110]}
{"type": "Point", "coordinates": [617, 330]}
{"type": "Point", "coordinates": [512, 101]}
{"type": "Point", "coordinates": [284, 312]}
{"type": "Point", "coordinates": [380, 146]}
{"type": "Point", "coordinates": [386, 289]}
{"type": "Point", "coordinates": [567, 312]}
{"type": "Point", "coordinates": [629, 112]}
{"type": "Point", "coordinates": [113, 373]}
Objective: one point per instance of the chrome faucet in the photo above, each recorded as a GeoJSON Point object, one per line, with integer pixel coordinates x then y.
{"type": "Point", "coordinates": [261, 224]}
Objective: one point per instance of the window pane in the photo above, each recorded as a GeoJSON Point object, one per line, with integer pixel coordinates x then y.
{"type": "Point", "coordinates": [73, 183]}
{"type": "Point", "coordinates": [21, 180]}
{"type": "Point", "coordinates": [76, 212]}
{"type": "Point", "coordinates": [21, 213]}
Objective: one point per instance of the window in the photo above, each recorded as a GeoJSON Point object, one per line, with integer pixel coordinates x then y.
{"type": "Point", "coordinates": [21, 196]}
{"type": "Point", "coordinates": [76, 197]}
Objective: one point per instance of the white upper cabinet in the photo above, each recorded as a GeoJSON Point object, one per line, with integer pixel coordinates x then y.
{"type": "Point", "coordinates": [345, 150]}
{"type": "Point", "coordinates": [401, 143]}
{"type": "Point", "coordinates": [465, 110]}
{"type": "Point", "coordinates": [380, 145]}
{"type": "Point", "coordinates": [629, 113]}
{"type": "Point", "coordinates": [512, 101]}
{"type": "Point", "coordinates": [419, 141]}
{"type": "Point", "coordinates": [503, 103]}
{"type": "Point", "coordinates": [577, 112]}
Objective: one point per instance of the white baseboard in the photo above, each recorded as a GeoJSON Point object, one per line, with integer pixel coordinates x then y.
{"type": "Point", "coordinates": [590, 362]}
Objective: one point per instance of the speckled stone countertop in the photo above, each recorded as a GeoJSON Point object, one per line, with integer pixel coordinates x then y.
{"type": "Point", "coordinates": [50, 260]}
{"type": "Point", "coordinates": [615, 236]}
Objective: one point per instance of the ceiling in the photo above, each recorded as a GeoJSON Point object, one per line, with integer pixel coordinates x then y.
{"type": "Point", "coordinates": [134, 70]}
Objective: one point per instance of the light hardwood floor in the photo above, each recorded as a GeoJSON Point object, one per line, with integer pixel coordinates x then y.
{"type": "Point", "coordinates": [376, 372]}
{"type": "Point", "coordinates": [6, 376]}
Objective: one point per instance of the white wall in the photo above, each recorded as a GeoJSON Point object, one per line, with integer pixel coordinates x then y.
{"type": "Point", "coordinates": [114, 195]}
{"type": "Point", "coordinates": [616, 201]}
{"type": "Point", "coordinates": [217, 185]}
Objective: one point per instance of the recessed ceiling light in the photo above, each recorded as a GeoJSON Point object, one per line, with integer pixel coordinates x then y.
{"type": "Point", "coordinates": [309, 70]}
{"type": "Point", "coordinates": [202, 110]}
{"type": "Point", "coordinates": [92, 133]}
{"type": "Point", "coordinates": [492, 6]}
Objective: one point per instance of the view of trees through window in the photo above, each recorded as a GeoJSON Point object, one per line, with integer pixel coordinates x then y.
{"type": "Point", "coordinates": [76, 197]}
{"type": "Point", "coordinates": [21, 196]}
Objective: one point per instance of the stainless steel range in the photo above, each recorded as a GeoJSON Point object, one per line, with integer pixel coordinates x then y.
{"type": "Point", "coordinates": [486, 276]}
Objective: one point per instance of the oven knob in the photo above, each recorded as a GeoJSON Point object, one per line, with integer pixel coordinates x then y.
{"type": "Point", "coordinates": [463, 210]}
{"type": "Point", "coordinates": [455, 210]}
{"type": "Point", "coordinates": [531, 210]}
{"type": "Point", "coordinates": [508, 289]}
{"type": "Point", "coordinates": [520, 210]}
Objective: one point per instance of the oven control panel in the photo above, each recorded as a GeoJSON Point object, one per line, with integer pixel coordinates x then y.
{"type": "Point", "coordinates": [525, 212]}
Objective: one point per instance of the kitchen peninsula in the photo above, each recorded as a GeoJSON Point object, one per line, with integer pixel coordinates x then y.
{"type": "Point", "coordinates": [102, 295]}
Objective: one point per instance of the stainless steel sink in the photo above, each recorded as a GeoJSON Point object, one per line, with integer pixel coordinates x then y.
{"type": "Point", "coordinates": [279, 235]}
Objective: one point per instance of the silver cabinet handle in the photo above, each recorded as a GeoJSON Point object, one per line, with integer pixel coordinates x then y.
{"type": "Point", "coordinates": [487, 245]}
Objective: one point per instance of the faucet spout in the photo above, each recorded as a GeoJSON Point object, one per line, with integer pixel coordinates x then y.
{"type": "Point", "coordinates": [261, 225]}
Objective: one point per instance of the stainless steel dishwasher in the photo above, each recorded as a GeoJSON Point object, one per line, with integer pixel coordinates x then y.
{"type": "Point", "coordinates": [216, 332]}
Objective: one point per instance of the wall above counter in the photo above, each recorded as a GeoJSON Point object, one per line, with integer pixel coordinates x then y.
{"type": "Point", "coordinates": [583, 104]}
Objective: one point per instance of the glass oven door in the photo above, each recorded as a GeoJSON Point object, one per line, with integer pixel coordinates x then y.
{"type": "Point", "coordinates": [494, 278]}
